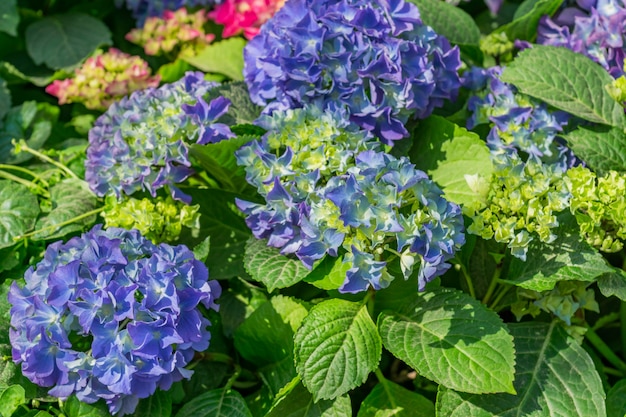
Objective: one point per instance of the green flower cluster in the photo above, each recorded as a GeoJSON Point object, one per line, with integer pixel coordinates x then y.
{"type": "Point", "coordinates": [158, 219]}
{"type": "Point", "coordinates": [565, 301]}
{"type": "Point", "coordinates": [617, 89]}
{"type": "Point", "coordinates": [522, 203]}
{"type": "Point", "coordinates": [599, 204]}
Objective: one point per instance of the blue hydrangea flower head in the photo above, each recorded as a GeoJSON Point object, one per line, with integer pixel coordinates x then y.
{"type": "Point", "coordinates": [328, 190]}
{"type": "Point", "coordinates": [595, 29]}
{"type": "Point", "coordinates": [109, 315]}
{"type": "Point", "coordinates": [518, 123]}
{"type": "Point", "coordinates": [141, 142]}
{"type": "Point", "coordinates": [377, 60]}
{"type": "Point", "coordinates": [142, 9]}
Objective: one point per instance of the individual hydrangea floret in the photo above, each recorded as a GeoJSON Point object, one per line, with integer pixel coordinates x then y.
{"type": "Point", "coordinates": [159, 219]}
{"type": "Point", "coordinates": [174, 31]}
{"type": "Point", "coordinates": [617, 89]}
{"type": "Point", "coordinates": [599, 205]}
{"type": "Point", "coordinates": [244, 16]}
{"type": "Point", "coordinates": [104, 79]}
{"type": "Point", "coordinates": [518, 122]}
{"type": "Point", "coordinates": [109, 315]}
{"type": "Point", "coordinates": [522, 203]}
{"type": "Point", "coordinates": [141, 142]}
{"type": "Point", "coordinates": [596, 29]}
{"type": "Point", "coordinates": [329, 191]}
{"type": "Point", "coordinates": [143, 9]}
{"type": "Point", "coordinates": [377, 60]}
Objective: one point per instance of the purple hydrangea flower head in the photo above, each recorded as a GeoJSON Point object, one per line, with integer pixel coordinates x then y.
{"type": "Point", "coordinates": [518, 123]}
{"type": "Point", "coordinates": [328, 190]}
{"type": "Point", "coordinates": [141, 142]}
{"type": "Point", "coordinates": [109, 315]}
{"type": "Point", "coordinates": [377, 60]}
{"type": "Point", "coordinates": [142, 9]}
{"type": "Point", "coordinates": [597, 29]}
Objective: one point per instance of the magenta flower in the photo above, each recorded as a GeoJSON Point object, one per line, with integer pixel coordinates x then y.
{"type": "Point", "coordinates": [244, 16]}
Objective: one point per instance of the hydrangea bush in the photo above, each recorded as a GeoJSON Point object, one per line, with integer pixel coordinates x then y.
{"type": "Point", "coordinates": [406, 208]}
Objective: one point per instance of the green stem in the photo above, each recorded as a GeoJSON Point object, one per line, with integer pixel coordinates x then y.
{"type": "Point", "coordinates": [234, 377]}
{"type": "Point", "coordinates": [612, 371]}
{"type": "Point", "coordinates": [29, 184]}
{"type": "Point", "coordinates": [27, 172]}
{"type": "Point", "coordinates": [59, 225]}
{"type": "Point", "coordinates": [466, 275]}
{"type": "Point", "coordinates": [492, 285]}
{"type": "Point", "coordinates": [24, 147]}
{"type": "Point", "coordinates": [622, 318]}
{"type": "Point", "coordinates": [604, 349]}
{"type": "Point", "coordinates": [502, 291]}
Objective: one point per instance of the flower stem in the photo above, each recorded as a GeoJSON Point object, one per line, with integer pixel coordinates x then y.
{"type": "Point", "coordinates": [22, 146]}
{"type": "Point", "coordinates": [59, 225]}
{"type": "Point", "coordinates": [466, 275]}
{"type": "Point", "coordinates": [492, 285]}
{"type": "Point", "coordinates": [29, 184]}
{"type": "Point", "coordinates": [604, 349]}
{"type": "Point", "coordinates": [27, 172]}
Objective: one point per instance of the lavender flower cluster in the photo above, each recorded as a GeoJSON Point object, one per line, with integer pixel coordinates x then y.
{"type": "Point", "coordinates": [109, 315]}
{"type": "Point", "coordinates": [141, 142]}
{"type": "Point", "coordinates": [143, 9]}
{"type": "Point", "coordinates": [375, 59]}
{"type": "Point", "coordinates": [329, 190]}
{"type": "Point", "coordinates": [518, 123]}
{"type": "Point", "coordinates": [596, 28]}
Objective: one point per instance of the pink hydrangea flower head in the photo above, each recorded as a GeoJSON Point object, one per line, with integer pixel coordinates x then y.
{"type": "Point", "coordinates": [244, 16]}
{"type": "Point", "coordinates": [175, 30]}
{"type": "Point", "coordinates": [104, 79]}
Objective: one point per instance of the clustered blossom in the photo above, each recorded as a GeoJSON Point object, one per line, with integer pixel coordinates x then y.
{"type": "Point", "coordinates": [159, 219]}
{"type": "Point", "coordinates": [141, 142]}
{"type": "Point", "coordinates": [596, 29]}
{"type": "Point", "coordinates": [599, 205]}
{"type": "Point", "coordinates": [161, 35]}
{"type": "Point", "coordinates": [109, 315]}
{"type": "Point", "coordinates": [522, 203]}
{"type": "Point", "coordinates": [143, 9]}
{"type": "Point", "coordinates": [377, 60]}
{"type": "Point", "coordinates": [104, 79]}
{"type": "Point", "coordinates": [518, 122]}
{"type": "Point", "coordinates": [244, 16]}
{"type": "Point", "coordinates": [329, 190]}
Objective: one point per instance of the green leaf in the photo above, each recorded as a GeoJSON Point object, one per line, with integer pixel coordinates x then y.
{"type": "Point", "coordinates": [616, 400]}
{"type": "Point", "coordinates": [329, 274]}
{"type": "Point", "coordinates": [238, 302]}
{"type": "Point", "coordinates": [444, 330]}
{"type": "Point", "coordinates": [173, 71]}
{"type": "Point", "coordinates": [224, 57]}
{"type": "Point", "coordinates": [299, 403]}
{"type": "Point", "coordinates": [10, 399]}
{"type": "Point", "coordinates": [278, 374]}
{"type": "Point", "coordinates": [18, 211]}
{"type": "Point", "coordinates": [9, 17]}
{"type": "Point", "coordinates": [450, 21]}
{"type": "Point", "coordinates": [452, 156]}
{"type": "Point", "coordinates": [554, 377]}
{"type": "Point", "coordinates": [218, 159]}
{"type": "Point", "coordinates": [5, 99]}
{"type": "Point", "coordinates": [72, 407]}
{"type": "Point", "coordinates": [216, 403]}
{"type": "Point", "coordinates": [201, 250]}
{"type": "Point", "coordinates": [266, 336]}
{"type": "Point", "coordinates": [566, 80]}
{"type": "Point", "coordinates": [336, 348]}
{"type": "Point", "coordinates": [388, 399]}
{"type": "Point", "coordinates": [613, 283]}
{"type": "Point", "coordinates": [567, 258]}
{"type": "Point", "coordinates": [220, 220]}
{"type": "Point", "coordinates": [64, 40]}
{"type": "Point", "coordinates": [241, 110]}
{"type": "Point", "coordinates": [158, 404]}
{"type": "Point", "coordinates": [266, 264]}
{"type": "Point", "coordinates": [71, 198]}
{"type": "Point", "coordinates": [602, 148]}
{"type": "Point", "coordinates": [526, 19]}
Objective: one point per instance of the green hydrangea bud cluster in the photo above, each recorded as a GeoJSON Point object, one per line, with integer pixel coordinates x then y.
{"type": "Point", "coordinates": [497, 45]}
{"type": "Point", "coordinates": [599, 205]}
{"type": "Point", "coordinates": [158, 219]}
{"type": "Point", "coordinates": [522, 203]}
{"type": "Point", "coordinates": [566, 301]}
{"type": "Point", "coordinates": [617, 89]}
